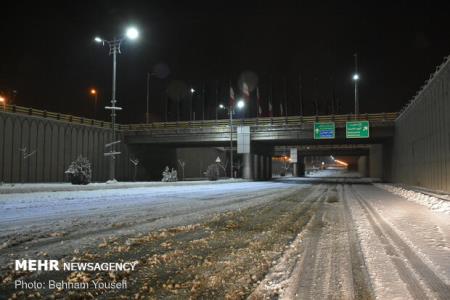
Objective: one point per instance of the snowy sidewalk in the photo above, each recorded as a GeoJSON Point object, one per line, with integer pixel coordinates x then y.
{"type": "Point", "coordinates": [12, 188]}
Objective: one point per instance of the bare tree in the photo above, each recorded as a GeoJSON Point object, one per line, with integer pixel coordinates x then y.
{"type": "Point", "coordinates": [182, 164]}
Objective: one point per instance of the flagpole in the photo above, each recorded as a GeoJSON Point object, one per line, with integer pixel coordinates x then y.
{"type": "Point", "coordinates": [300, 94]}
{"type": "Point", "coordinates": [217, 96]}
{"type": "Point", "coordinates": [285, 96]}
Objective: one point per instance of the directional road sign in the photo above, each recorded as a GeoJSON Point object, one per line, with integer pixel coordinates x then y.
{"type": "Point", "coordinates": [324, 130]}
{"type": "Point", "coordinates": [357, 129]}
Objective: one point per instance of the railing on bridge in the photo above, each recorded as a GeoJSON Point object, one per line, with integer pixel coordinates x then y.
{"type": "Point", "coordinates": [274, 121]}
{"type": "Point", "coordinates": [54, 116]}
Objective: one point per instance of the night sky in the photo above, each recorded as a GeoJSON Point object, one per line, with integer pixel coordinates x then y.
{"type": "Point", "coordinates": [49, 58]}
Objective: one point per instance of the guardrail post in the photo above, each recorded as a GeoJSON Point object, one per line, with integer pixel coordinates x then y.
{"type": "Point", "coordinates": [30, 111]}
{"type": "Point", "coordinates": [58, 116]}
{"type": "Point", "coordinates": [14, 108]}
{"type": "Point", "coordinates": [45, 114]}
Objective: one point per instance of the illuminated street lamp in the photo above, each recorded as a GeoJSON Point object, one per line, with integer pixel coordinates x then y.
{"type": "Point", "coordinates": [3, 101]}
{"type": "Point", "coordinates": [240, 105]}
{"type": "Point", "coordinates": [95, 95]}
{"type": "Point", "coordinates": [114, 48]}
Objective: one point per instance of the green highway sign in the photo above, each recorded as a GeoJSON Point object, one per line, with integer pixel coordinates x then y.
{"type": "Point", "coordinates": [324, 130]}
{"type": "Point", "coordinates": [357, 129]}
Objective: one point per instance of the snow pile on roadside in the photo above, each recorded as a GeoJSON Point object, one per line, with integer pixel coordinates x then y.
{"type": "Point", "coordinates": [420, 198]}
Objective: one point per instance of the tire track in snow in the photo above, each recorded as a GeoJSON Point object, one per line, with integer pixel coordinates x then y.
{"type": "Point", "coordinates": [403, 257]}
{"type": "Point", "coordinates": [362, 288]}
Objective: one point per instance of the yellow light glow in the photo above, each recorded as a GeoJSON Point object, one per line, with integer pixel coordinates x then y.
{"type": "Point", "coordinates": [341, 162]}
{"type": "Point", "coordinates": [2, 99]}
{"type": "Point", "coordinates": [93, 92]}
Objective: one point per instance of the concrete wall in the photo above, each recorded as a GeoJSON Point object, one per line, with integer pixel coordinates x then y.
{"type": "Point", "coordinates": [363, 169]}
{"type": "Point", "coordinates": [376, 161]}
{"type": "Point", "coordinates": [198, 159]}
{"type": "Point", "coordinates": [421, 152]}
{"type": "Point", "coordinates": [57, 144]}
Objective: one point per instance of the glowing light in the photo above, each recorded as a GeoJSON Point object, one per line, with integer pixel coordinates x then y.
{"type": "Point", "coordinates": [341, 162]}
{"type": "Point", "coordinates": [2, 99]}
{"type": "Point", "coordinates": [98, 39]}
{"type": "Point", "coordinates": [93, 91]}
{"type": "Point", "coordinates": [192, 90]}
{"type": "Point", "coordinates": [221, 106]}
{"type": "Point", "coordinates": [132, 33]}
{"type": "Point", "coordinates": [240, 104]}
{"type": "Point", "coordinates": [356, 77]}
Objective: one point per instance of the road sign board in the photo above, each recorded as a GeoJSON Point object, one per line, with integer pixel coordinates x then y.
{"type": "Point", "coordinates": [357, 129]}
{"type": "Point", "coordinates": [324, 130]}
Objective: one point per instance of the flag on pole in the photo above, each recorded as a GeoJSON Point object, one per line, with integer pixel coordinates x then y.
{"type": "Point", "coordinates": [232, 98]}
{"type": "Point", "coordinates": [258, 103]}
{"type": "Point", "coordinates": [270, 109]}
{"type": "Point", "coordinates": [281, 109]}
{"type": "Point", "coordinates": [246, 92]}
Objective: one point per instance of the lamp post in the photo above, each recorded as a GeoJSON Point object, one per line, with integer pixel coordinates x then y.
{"type": "Point", "coordinates": [355, 79]}
{"type": "Point", "coordinates": [3, 101]}
{"type": "Point", "coordinates": [240, 105]}
{"type": "Point", "coordinates": [94, 94]}
{"type": "Point", "coordinates": [114, 49]}
{"type": "Point", "coordinates": [192, 90]}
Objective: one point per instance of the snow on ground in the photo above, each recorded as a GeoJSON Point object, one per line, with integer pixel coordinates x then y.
{"type": "Point", "coordinates": [83, 217]}
{"type": "Point", "coordinates": [438, 204]}
{"type": "Point", "coordinates": [405, 244]}
{"type": "Point", "coordinates": [10, 188]}
{"type": "Point", "coordinates": [334, 173]}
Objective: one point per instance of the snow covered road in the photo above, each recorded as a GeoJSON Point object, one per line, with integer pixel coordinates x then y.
{"type": "Point", "coordinates": [365, 243]}
{"type": "Point", "coordinates": [30, 222]}
{"type": "Point", "coordinates": [264, 240]}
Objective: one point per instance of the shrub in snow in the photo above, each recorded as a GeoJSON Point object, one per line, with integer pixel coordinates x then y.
{"type": "Point", "coordinates": [169, 176]}
{"type": "Point", "coordinates": [79, 171]}
{"type": "Point", "coordinates": [212, 172]}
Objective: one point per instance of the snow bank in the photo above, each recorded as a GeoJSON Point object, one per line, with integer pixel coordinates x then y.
{"type": "Point", "coordinates": [432, 202]}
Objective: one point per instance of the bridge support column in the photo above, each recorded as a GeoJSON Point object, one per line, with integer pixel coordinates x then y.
{"type": "Point", "coordinates": [268, 167]}
{"type": "Point", "coordinates": [256, 166]}
{"type": "Point", "coordinates": [295, 169]}
{"type": "Point", "coordinates": [247, 166]}
{"type": "Point", "coordinates": [298, 168]}
{"type": "Point", "coordinates": [262, 167]}
{"type": "Point", "coordinates": [301, 166]}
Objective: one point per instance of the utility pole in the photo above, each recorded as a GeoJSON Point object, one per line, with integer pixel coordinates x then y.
{"type": "Point", "coordinates": [147, 117]}
{"type": "Point", "coordinates": [300, 94]}
{"type": "Point", "coordinates": [355, 79]}
{"type": "Point", "coordinates": [114, 49]}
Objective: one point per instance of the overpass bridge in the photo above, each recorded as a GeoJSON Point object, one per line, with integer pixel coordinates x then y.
{"type": "Point", "coordinates": [58, 138]}
{"type": "Point", "coordinates": [291, 130]}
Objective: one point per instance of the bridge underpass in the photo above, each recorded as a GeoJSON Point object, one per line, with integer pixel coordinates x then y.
{"type": "Point", "coordinates": [157, 140]}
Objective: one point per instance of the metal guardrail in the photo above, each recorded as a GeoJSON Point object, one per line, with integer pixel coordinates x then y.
{"type": "Point", "coordinates": [274, 121]}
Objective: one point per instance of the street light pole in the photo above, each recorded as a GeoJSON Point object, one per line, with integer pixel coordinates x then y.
{"type": "Point", "coordinates": [94, 94]}
{"type": "Point", "coordinates": [355, 79]}
{"type": "Point", "coordinates": [114, 49]}
{"type": "Point", "coordinates": [147, 117]}
{"type": "Point", "coordinates": [230, 112]}
{"type": "Point", "coordinates": [230, 109]}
